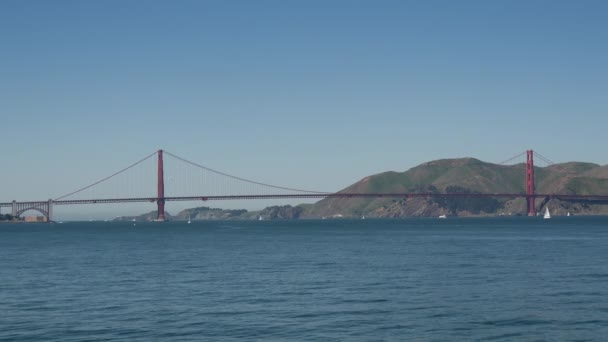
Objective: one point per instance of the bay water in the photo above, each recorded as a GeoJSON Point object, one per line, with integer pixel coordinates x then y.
{"type": "Point", "coordinates": [458, 279]}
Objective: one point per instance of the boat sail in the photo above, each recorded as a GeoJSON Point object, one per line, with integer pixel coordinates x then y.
{"type": "Point", "coordinates": [547, 214]}
{"type": "Point", "coordinates": [188, 218]}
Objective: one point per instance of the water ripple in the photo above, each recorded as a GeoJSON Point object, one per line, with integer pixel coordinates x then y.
{"type": "Point", "coordinates": [394, 280]}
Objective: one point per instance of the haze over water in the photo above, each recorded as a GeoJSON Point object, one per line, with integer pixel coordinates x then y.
{"type": "Point", "coordinates": [497, 279]}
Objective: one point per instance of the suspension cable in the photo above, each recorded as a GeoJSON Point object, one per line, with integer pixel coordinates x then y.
{"type": "Point", "coordinates": [512, 158]}
{"type": "Point", "coordinates": [104, 179]}
{"type": "Point", "coordinates": [242, 179]}
{"type": "Point", "coordinates": [550, 163]}
{"type": "Point", "coordinates": [543, 158]}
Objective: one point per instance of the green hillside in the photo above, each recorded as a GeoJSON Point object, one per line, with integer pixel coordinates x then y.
{"type": "Point", "coordinates": [466, 175]}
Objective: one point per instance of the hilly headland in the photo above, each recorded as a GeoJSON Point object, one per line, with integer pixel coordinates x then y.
{"type": "Point", "coordinates": [469, 175]}
{"type": "Point", "coordinates": [462, 175]}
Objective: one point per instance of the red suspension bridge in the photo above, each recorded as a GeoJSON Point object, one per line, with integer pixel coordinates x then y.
{"type": "Point", "coordinates": [214, 181]}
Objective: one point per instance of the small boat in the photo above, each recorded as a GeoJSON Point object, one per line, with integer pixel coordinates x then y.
{"type": "Point", "coordinates": [547, 214]}
{"type": "Point", "coordinates": [442, 216]}
{"type": "Point", "coordinates": [189, 219]}
{"type": "Point", "coordinates": [260, 218]}
{"type": "Point", "coordinates": [568, 214]}
{"type": "Point", "coordinates": [363, 217]}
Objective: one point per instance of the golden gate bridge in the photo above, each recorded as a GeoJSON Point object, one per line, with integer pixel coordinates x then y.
{"type": "Point", "coordinates": [252, 191]}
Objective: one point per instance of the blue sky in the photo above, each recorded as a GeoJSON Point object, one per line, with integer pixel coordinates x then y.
{"type": "Point", "coordinates": [308, 94]}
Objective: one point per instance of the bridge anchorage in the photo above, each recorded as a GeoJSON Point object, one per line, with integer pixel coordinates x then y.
{"type": "Point", "coordinates": [43, 207]}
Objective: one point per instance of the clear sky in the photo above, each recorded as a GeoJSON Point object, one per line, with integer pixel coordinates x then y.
{"type": "Point", "coordinates": [308, 94]}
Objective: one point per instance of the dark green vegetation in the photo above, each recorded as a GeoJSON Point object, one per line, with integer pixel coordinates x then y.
{"type": "Point", "coordinates": [8, 217]}
{"type": "Point", "coordinates": [475, 205]}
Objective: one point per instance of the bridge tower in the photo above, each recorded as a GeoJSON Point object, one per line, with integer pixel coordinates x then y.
{"type": "Point", "coordinates": [160, 199]}
{"type": "Point", "coordinates": [530, 182]}
{"type": "Point", "coordinates": [49, 210]}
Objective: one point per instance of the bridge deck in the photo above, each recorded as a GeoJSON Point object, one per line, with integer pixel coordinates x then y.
{"type": "Point", "coordinates": [314, 195]}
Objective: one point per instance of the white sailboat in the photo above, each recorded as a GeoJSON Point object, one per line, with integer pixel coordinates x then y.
{"type": "Point", "coordinates": [189, 219]}
{"type": "Point", "coordinates": [547, 214]}
{"type": "Point", "coordinates": [568, 214]}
